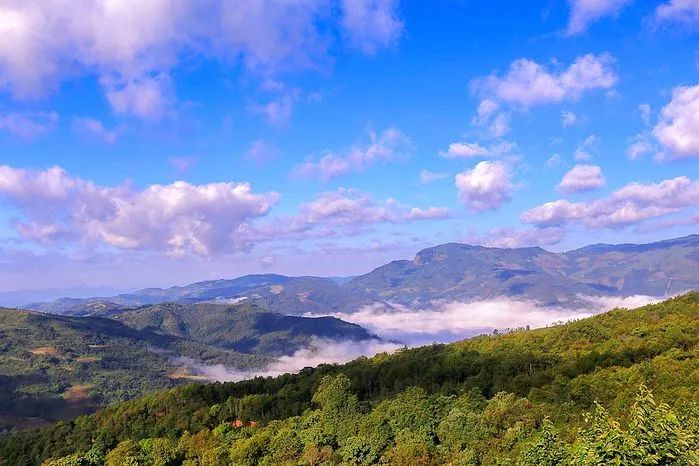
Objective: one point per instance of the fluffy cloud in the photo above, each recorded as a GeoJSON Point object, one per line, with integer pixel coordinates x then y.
{"type": "Point", "coordinates": [178, 218]}
{"type": "Point", "coordinates": [582, 178]}
{"type": "Point", "coordinates": [28, 125]}
{"type": "Point", "coordinates": [486, 186]}
{"type": "Point", "coordinates": [678, 11]}
{"type": "Point", "coordinates": [528, 83]}
{"type": "Point", "coordinates": [391, 144]}
{"type": "Point", "coordinates": [352, 207]}
{"type": "Point", "coordinates": [147, 98]}
{"type": "Point", "coordinates": [132, 47]}
{"type": "Point", "coordinates": [678, 128]}
{"type": "Point", "coordinates": [371, 24]}
{"type": "Point", "coordinates": [459, 150]}
{"type": "Point", "coordinates": [629, 205]}
{"type": "Point", "coordinates": [585, 12]}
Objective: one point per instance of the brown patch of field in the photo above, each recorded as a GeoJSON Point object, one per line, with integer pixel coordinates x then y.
{"type": "Point", "coordinates": [276, 289]}
{"type": "Point", "coordinates": [77, 392]}
{"type": "Point", "coordinates": [182, 374]}
{"type": "Point", "coordinates": [45, 351]}
{"type": "Point", "coordinates": [87, 359]}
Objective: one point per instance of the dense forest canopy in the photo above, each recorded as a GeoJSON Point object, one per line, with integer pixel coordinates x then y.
{"type": "Point", "coordinates": [516, 397]}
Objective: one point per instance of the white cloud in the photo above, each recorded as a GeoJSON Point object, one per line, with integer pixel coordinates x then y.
{"type": "Point", "coordinates": [417, 213]}
{"type": "Point", "coordinates": [528, 83]}
{"type": "Point", "coordinates": [95, 128]}
{"type": "Point", "coordinates": [486, 186]}
{"type": "Point", "coordinates": [678, 11]}
{"type": "Point", "coordinates": [371, 24]}
{"type": "Point", "coordinates": [178, 218]}
{"type": "Point", "coordinates": [473, 149]}
{"type": "Point", "coordinates": [147, 98]}
{"type": "Point", "coordinates": [350, 206]}
{"type": "Point", "coordinates": [633, 203]}
{"type": "Point", "coordinates": [568, 118]}
{"type": "Point", "coordinates": [448, 321]}
{"type": "Point", "coordinates": [390, 145]}
{"type": "Point", "coordinates": [133, 47]}
{"type": "Point", "coordinates": [585, 12]}
{"type": "Point", "coordinates": [320, 351]}
{"type": "Point", "coordinates": [28, 125]}
{"type": "Point", "coordinates": [678, 127]}
{"type": "Point", "coordinates": [464, 150]}
{"type": "Point", "coordinates": [582, 178]}
{"type": "Point", "coordinates": [427, 176]}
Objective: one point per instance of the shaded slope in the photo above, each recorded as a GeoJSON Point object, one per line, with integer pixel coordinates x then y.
{"type": "Point", "coordinates": [54, 367]}
{"type": "Point", "coordinates": [244, 327]}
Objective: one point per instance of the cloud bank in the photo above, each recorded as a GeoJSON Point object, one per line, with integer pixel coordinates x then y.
{"type": "Point", "coordinates": [401, 326]}
{"type": "Point", "coordinates": [321, 351]}
{"type": "Point", "coordinates": [450, 321]}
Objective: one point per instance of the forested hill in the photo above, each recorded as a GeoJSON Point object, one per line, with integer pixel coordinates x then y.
{"type": "Point", "coordinates": [242, 327]}
{"type": "Point", "coordinates": [57, 367]}
{"type": "Point", "coordinates": [518, 397]}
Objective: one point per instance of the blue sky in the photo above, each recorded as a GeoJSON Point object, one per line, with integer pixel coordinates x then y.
{"type": "Point", "coordinates": [157, 143]}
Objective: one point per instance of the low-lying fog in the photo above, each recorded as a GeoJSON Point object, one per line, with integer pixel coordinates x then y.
{"type": "Point", "coordinates": [400, 326]}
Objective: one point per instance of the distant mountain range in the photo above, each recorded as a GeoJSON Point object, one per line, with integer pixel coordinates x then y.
{"type": "Point", "coordinates": [453, 272]}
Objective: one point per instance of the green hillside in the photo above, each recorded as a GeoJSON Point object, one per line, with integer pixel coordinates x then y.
{"type": "Point", "coordinates": [54, 367]}
{"type": "Point", "coordinates": [242, 327]}
{"type": "Point", "coordinates": [507, 399]}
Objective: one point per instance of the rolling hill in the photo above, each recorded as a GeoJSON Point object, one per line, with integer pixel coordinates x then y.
{"type": "Point", "coordinates": [517, 398]}
{"type": "Point", "coordinates": [455, 272]}
{"type": "Point", "coordinates": [56, 367]}
{"type": "Point", "coordinates": [246, 328]}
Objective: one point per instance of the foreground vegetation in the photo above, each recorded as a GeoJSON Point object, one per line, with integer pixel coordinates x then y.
{"type": "Point", "coordinates": [519, 398]}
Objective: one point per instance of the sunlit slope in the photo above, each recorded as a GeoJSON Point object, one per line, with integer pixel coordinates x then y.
{"type": "Point", "coordinates": [561, 369]}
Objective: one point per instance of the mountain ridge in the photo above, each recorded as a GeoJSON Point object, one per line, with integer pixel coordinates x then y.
{"type": "Point", "coordinates": [451, 271]}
